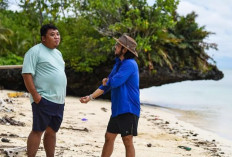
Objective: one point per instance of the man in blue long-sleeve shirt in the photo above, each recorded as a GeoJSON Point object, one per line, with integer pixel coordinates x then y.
{"type": "Point", "coordinates": [123, 82]}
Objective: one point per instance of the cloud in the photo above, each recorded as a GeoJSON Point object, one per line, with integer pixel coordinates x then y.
{"type": "Point", "coordinates": [215, 15]}
{"type": "Point", "coordinates": [13, 5]}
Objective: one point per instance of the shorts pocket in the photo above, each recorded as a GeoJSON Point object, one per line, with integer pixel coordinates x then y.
{"type": "Point", "coordinates": [40, 102]}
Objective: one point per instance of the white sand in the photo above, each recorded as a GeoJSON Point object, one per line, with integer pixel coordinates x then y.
{"type": "Point", "coordinates": [158, 129]}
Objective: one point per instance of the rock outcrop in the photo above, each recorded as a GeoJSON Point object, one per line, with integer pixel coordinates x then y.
{"type": "Point", "coordinates": [83, 83]}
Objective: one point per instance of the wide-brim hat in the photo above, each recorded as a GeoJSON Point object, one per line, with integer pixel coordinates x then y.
{"type": "Point", "coordinates": [128, 43]}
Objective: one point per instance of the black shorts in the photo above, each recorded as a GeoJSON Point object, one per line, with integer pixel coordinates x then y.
{"type": "Point", "coordinates": [124, 124]}
{"type": "Point", "coordinates": [47, 113]}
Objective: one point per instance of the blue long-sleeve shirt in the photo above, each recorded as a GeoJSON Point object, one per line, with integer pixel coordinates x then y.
{"type": "Point", "coordinates": [124, 85]}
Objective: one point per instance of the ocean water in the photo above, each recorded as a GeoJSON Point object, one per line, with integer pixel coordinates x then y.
{"type": "Point", "coordinates": [206, 104]}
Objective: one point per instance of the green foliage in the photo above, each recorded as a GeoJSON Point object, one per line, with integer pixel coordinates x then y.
{"type": "Point", "coordinates": [83, 48]}
{"type": "Point", "coordinates": [87, 26]}
{"type": "Point", "coordinates": [11, 59]}
{"type": "Point", "coordinates": [5, 41]}
{"type": "Point", "coordinates": [147, 24]}
{"type": "Point", "coordinates": [23, 37]}
{"type": "Point", "coordinates": [190, 50]}
{"type": "Point", "coordinates": [3, 4]}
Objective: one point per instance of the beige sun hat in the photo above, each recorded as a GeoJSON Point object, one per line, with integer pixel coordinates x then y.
{"type": "Point", "coordinates": [128, 43]}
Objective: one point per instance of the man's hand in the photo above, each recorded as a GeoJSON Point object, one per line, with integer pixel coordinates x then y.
{"type": "Point", "coordinates": [104, 81]}
{"type": "Point", "coordinates": [37, 98]}
{"type": "Point", "coordinates": [28, 80]}
{"type": "Point", "coordinates": [85, 99]}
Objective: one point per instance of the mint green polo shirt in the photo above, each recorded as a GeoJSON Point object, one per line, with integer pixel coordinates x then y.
{"type": "Point", "coordinates": [47, 68]}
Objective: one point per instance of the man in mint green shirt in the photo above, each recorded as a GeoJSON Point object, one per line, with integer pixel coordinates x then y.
{"type": "Point", "coordinates": [45, 79]}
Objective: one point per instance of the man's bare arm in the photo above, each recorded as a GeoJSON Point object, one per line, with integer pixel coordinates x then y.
{"type": "Point", "coordinates": [28, 81]}
{"type": "Point", "coordinates": [92, 96]}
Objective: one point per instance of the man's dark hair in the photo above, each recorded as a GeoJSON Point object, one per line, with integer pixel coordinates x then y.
{"type": "Point", "coordinates": [129, 55]}
{"type": "Point", "coordinates": [44, 29]}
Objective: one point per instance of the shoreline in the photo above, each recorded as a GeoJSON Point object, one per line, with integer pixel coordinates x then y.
{"type": "Point", "coordinates": [199, 119]}
{"type": "Point", "coordinates": [160, 133]}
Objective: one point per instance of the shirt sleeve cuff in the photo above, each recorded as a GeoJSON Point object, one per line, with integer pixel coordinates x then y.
{"type": "Point", "coordinates": [104, 88]}
{"type": "Point", "coordinates": [108, 82]}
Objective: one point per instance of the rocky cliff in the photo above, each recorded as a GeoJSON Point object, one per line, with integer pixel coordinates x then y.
{"type": "Point", "coordinates": [82, 83]}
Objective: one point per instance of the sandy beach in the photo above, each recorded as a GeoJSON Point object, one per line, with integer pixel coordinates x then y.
{"type": "Point", "coordinates": [81, 134]}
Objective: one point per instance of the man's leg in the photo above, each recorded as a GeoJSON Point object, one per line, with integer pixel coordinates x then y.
{"type": "Point", "coordinates": [128, 143]}
{"type": "Point", "coordinates": [49, 142]}
{"type": "Point", "coordinates": [33, 142]}
{"type": "Point", "coordinates": [108, 145]}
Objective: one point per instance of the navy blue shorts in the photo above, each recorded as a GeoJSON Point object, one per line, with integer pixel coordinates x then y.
{"type": "Point", "coordinates": [47, 113]}
{"type": "Point", "coordinates": [124, 124]}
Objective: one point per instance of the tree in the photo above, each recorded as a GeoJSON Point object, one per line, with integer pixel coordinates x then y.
{"type": "Point", "coordinates": [147, 24]}
{"type": "Point", "coordinates": [190, 49]}
{"type": "Point", "coordinates": [3, 4]}
{"type": "Point", "coordinates": [4, 39]}
{"type": "Point", "coordinates": [164, 38]}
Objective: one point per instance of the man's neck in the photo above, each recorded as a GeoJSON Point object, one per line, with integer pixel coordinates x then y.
{"type": "Point", "coordinates": [47, 46]}
{"type": "Point", "coordinates": [121, 57]}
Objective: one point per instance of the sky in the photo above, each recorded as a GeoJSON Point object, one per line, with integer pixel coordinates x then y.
{"type": "Point", "coordinates": [215, 15]}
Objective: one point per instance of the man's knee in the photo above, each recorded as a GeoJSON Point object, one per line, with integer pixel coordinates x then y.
{"type": "Point", "coordinates": [50, 132]}
{"type": "Point", "coordinates": [128, 140]}
{"type": "Point", "coordinates": [36, 133]}
{"type": "Point", "coordinates": [109, 137]}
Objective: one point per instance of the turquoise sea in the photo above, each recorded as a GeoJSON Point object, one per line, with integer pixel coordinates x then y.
{"type": "Point", "coordinates": [206, 104]}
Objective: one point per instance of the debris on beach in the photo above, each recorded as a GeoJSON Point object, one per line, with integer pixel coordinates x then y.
{"type": "Point", "coordinates": [13, 135]}
{"type": "Point", "coordinates": [184, 147]}
{"type": "Point", "coordinates": [71, 128]}
{"type": "Point", "coordinates": [205, 143]}
{"type": "Point", "coordinates": [17, 94]}
{"type": "Point", "coordinates": [104, 109]}
{"type": "Point", "coordinates": [22, 114]}
{"type": "Point", "coordinates": [10, 135]}
{"type": "Point", "coordinates": [9, 120]}
{"type": "Point", "coordinates": [84, 119]}
{"type": "Point", "coordinates": [5, 140]}
{"type": "Point", "coordinates": [4, 107]}
{"type": "Point", "coordinates": [12, 152]}
{"type": "Point", "coordinates": [1, 101]}
{"type": "Point", "coordinates": [8, 101]}
{"type": "Point", "coordinates": [210, 146]}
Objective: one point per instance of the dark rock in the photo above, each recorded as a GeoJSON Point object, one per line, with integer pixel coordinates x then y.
{"type": "Point", "coordinates": [149, 145]}
{"type": "Point", "coordinates": [11, 79]}
{"type": "Point", "coordinates": [83, 83]}
{"type": "Point", "coordinates": [164, 76]}
{"type": "Point", "coordinates": [5, 140]}
{"type": "Point", "coordinates": [13, 135]}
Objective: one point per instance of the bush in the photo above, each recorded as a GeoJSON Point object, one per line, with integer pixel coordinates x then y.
{"type": "Point", "coordinates": [11, 59]}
